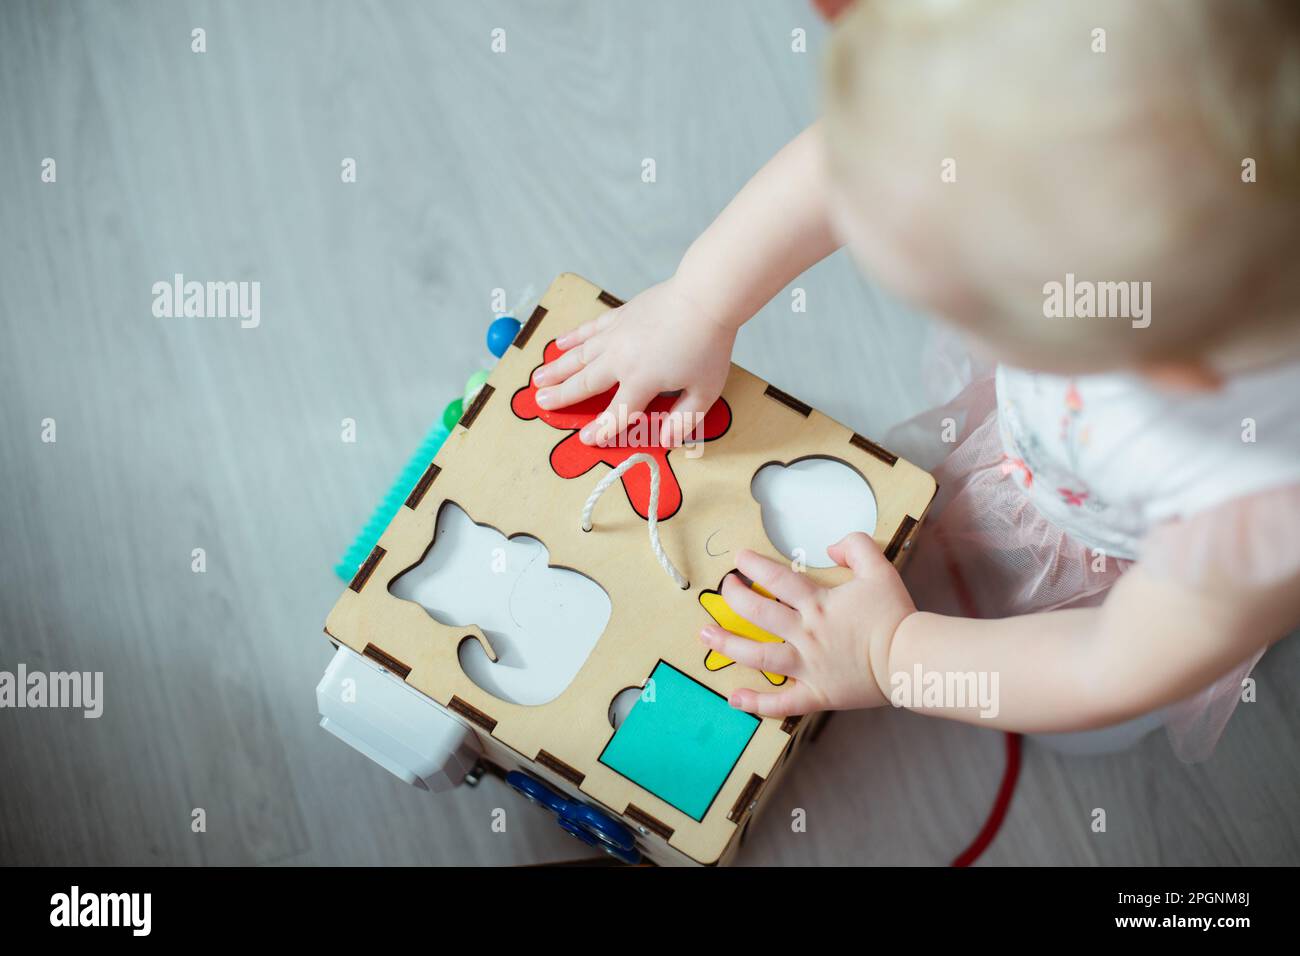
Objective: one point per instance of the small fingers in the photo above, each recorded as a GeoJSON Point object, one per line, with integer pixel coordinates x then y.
{"type": "Point", "coordinates": [771, 616]}
{"type": "Point", "coordinates": [769, 656]}
{"type": "Point", "coordinates": [795, 697]}
{"type": "Point", "coordinates": [584, 383]}
{"type": "Point", "coordinates": [553, 373]}
{"type": "Point", "coordinates": [686, 418]}
{"type": "Point", "coordinates": [589, 328]}
{"type": "Point", "coordinates": [631, 397]}
{"type": "Point", "coordinates": [789, 586]}
{"type": "Point", "coordinates": [858, 552]}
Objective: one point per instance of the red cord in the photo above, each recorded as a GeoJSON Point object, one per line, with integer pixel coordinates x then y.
{"type": "Point", "coordinates": [1000, 806]}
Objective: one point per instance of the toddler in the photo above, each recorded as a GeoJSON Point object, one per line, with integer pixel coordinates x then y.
{"type": "Point", "coordinates": [1103, 199]}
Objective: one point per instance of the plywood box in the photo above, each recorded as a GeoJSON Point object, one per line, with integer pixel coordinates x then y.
{"type": "Point", "coordinates": [520, 474]}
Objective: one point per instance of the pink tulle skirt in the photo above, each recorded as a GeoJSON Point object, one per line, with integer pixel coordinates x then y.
{"type": "Point", "coordinates": [986, 552]}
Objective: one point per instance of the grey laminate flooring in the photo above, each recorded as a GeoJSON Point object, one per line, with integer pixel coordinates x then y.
{"type": "Point", "coordinates": [475, 171]}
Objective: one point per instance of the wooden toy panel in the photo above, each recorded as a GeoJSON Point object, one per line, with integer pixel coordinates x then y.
{"type": "Point", "coordinates": [497, 467]}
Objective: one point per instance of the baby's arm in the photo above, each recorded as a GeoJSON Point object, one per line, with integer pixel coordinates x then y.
{"type": "Point", "coordinates": [679, 334]}
{"type": "Point", "coordinates": [1153, 642]}
{"type": "Point", "coordinates": [775, 228]}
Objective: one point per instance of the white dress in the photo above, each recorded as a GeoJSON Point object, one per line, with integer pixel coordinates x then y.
{"type": "Point", "coordinates": [1050, 487]}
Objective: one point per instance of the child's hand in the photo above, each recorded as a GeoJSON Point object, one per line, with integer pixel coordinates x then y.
{"type": "Point", "coordinates": [661, 341]}
{"type": "Point", "coordinates": [837, 640]}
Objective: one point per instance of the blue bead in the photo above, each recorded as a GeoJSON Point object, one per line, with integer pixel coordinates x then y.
{"type": "Point", "coordinates": [501, 333]}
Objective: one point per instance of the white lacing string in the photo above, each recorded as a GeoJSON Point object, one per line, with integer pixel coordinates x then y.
{"type": "Point", "coordinates": [652, 522]}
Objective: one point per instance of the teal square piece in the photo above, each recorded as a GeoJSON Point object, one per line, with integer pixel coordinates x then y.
{"type": "Point", "coordinates": [679, 741]}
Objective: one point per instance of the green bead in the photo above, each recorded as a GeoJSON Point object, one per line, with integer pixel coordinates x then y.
{"type": "Point", "coordinates": [451, 414]}
{"type": "Point", "coordinates": [476, 381]}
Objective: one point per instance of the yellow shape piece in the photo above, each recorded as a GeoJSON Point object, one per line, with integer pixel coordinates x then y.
{"type": "Point", "coordinates": [729, 620]}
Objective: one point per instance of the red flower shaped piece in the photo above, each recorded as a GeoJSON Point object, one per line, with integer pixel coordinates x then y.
{"type": "Point", "coordinates": [572, 459]}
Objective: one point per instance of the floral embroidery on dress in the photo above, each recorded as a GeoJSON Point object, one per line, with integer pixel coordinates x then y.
{"type": "Point", "coordinates": [1071, 497]}
{"type": "Point", "coordinates": [1010, 464]}
{"type": "Point", "coordinates": [1072, 437]}
{"type": "Point", "coordinates": [1057, 465]}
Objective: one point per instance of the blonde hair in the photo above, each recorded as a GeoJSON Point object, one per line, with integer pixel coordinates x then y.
{"type": "Point", "coordinates": [1119, 155]}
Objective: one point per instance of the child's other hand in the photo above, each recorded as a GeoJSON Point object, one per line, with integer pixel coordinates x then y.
{"type": "Point", "coordinates": [837, 640]}
{"type": "Point", "coordinates": [661, 341]}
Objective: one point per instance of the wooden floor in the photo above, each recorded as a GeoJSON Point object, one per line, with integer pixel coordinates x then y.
{"type": "Point", "coordinates": [475, 171]}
